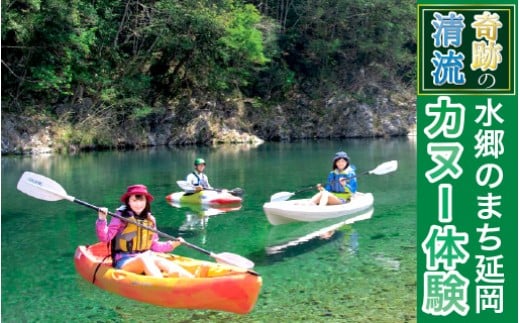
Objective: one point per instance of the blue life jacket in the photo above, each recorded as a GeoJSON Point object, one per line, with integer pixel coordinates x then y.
{"type": "Point", "coordinates": [333, 184]}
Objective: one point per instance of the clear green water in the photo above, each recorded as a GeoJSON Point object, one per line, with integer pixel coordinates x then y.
{"type": "Point", "coordinates": [363, 272]}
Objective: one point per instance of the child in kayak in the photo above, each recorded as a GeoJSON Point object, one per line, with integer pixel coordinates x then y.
{"type": "Point", "coordinates": [341, 182]}
{"type": "Point", "coordinates": [131, 244]}
{"type": "Point", "coordinates": [197, 178]}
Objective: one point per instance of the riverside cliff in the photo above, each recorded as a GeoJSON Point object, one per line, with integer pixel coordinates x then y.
{"type": "Point", "coordinates": [213, 122]}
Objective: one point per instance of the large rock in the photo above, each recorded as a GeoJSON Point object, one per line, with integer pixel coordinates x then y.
{"type": "Point", "coordinates": [235, 121]}
{"type": "Point", "coordinates": [23, 135]}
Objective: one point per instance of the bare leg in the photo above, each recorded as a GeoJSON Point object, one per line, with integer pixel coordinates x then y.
{"type": "Point", "coordinates": [324, 199]}
{"type": "Point", "coordinates": [140, 263]}
{"type": "Point", "coordinates": [172, 269]}
{"type": "Point", "coordinates": [333, 200]}
{"type": "Point", "coordinates": [316, 198]}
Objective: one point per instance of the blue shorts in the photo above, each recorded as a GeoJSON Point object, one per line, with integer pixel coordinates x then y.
{"type": "Point", "coordinates": [124, 258]}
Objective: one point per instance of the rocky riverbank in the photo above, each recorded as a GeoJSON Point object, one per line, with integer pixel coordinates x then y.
{"type": "Point", "coordinates": [214, 122]}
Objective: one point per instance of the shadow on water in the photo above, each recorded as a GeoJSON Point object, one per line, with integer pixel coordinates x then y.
{"type": "Point", "coordinates": [205, 211]}
{"type": "Point", "coordinates": [196, 219]}
{"type": "Point", "coordinates": [294, 239]}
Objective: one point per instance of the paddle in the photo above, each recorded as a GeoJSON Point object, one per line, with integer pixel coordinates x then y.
{"type": "Point", "coordinates": [283, 196]}
{"type": "Point", "coordinates": [43, 188]}
{"type": "Point", "coordinates": [187, 187]}
{"type": "Point", "coordinates": [382, 169]}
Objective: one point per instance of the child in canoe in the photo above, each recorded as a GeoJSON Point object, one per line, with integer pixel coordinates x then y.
{"type": "Point", "coordinates": [341, 182]}
{"type": "Point", "coordinates": [197, 178]}
{"type": "Point", "coordinates": [132, 245]}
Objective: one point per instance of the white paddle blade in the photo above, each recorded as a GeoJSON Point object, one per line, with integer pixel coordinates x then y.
{"type": "Point", "coordinates": [41, 187]}
{"type": "Point", "coordinates": [185, 186]}
{"type": "Point", "coordinates": [233, 260]}
{"type": "Point", "coordinates": [281, 196]}
{"type": "Point", "coordinates": [384, 168]}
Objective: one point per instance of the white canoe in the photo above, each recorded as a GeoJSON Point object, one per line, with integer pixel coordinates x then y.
{"type": "Point", "coordinates": [304, 210]}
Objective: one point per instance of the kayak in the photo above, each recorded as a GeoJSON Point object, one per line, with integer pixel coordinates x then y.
{"type": "Point", "coordinates": [205, 197]}
{"type": "Point", "coordinates": [304, 210]}
{"type": "Point", "coordinates": [215, 287]}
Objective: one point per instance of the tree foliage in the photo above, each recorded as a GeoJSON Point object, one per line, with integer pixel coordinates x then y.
{"type": "Point", "coordinates": [132, 56]}
{"type": "Point", "coordinates": [335, 41]}
{"type": "Point", "coordinates": [125, 53]}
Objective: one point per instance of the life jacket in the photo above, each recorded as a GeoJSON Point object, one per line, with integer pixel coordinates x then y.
{"type": "Point", "coordinates": [201, 180]}
{"type": "Point", "coordinates": [345, 195]}
{"type": "Point", "coordinates": [133, 238]}
{"type": "Point", "coordinates": [335, 187]}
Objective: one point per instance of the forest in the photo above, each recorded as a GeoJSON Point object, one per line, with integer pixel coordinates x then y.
{"type": "Point", "coordinates": [87, 66]}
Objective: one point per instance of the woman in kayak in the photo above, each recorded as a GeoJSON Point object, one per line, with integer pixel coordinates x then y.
{"type": "Point", "coordinates": [341, 182]}
{"type": "Point", "coordinates": [197, 178]}
{"type": "Point", "coordinates": [132, 245]}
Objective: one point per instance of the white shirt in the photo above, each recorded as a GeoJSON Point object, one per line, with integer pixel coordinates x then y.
{"type": "Point", "coordinates": [198, 179]}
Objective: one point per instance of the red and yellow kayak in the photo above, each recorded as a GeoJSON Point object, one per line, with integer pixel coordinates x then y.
{"type": "Point", "coordinates": [205, 197]}
{"type": "Point", "coordinates": [215, 287]}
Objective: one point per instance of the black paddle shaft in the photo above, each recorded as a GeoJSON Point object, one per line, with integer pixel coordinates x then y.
{"type": "Point", "coordinates": [236, 191]}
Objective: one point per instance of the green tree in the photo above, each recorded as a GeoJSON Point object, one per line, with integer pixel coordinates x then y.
{"type": "Point", "coordinates": [338, 42]}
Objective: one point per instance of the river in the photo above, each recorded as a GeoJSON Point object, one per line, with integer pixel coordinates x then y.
{"type": "Point", "coordinates": [363, 272]}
